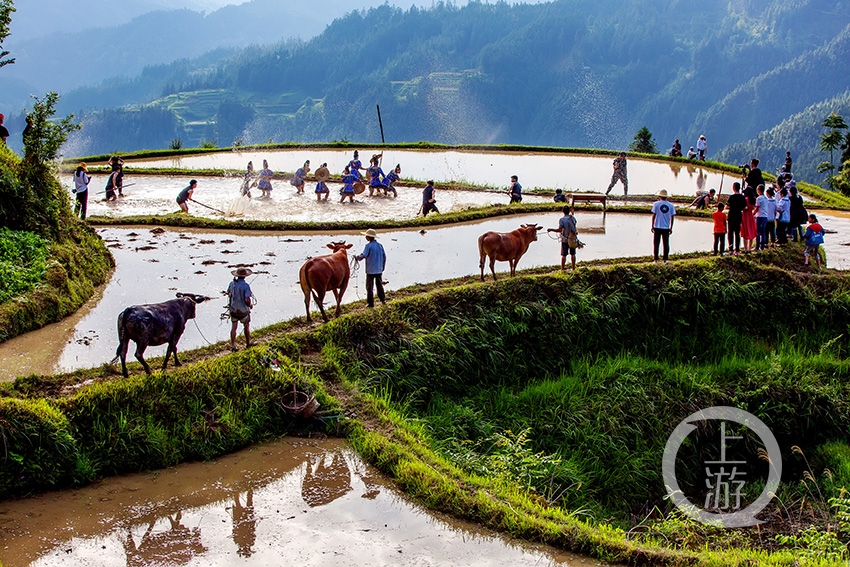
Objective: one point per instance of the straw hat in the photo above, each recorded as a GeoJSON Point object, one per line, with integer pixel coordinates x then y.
{"type": "Point", "coordinates": [662, 193]}
{"type": "Point", "coordinates": [370, 233]}
{"type": "Point", "coordinates": [83, 166]}
{"type": "Point", "coordinates": [322, 174]}
{"type": "Point", "coordinates": [242, 272]}
{"type": "Point", "coordinates": [359, 187]}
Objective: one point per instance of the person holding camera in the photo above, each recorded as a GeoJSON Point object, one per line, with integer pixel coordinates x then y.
{"type": "Point", "coordinates": [752, 178]}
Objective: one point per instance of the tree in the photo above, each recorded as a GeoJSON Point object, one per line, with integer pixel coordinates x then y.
{"type": "Point", "coordinates": [643, 142]}
{"type": "Point", "coordinates": [829, 142]}
{"type": "Point", "coordinates": [6, 9]}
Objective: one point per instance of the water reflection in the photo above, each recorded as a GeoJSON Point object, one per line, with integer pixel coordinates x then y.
{"type": "Point", "coordinates": [176, 545]}
{"type": "Point", "coordinates": [326, 479]}
{"type": "Point", "coordinates": [493, 169]}
{"type": "Point", "coordinates": [244, 524]}
{"type": "Point", "coordinates": [251, 505]}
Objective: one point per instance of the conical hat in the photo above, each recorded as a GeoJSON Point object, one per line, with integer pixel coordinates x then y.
{"type": "Point", "coordinates": [322, 174]}
{"type": "Point", "coordinates": [359, 187]}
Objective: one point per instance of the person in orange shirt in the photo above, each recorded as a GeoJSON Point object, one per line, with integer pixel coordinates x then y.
{"type": "Point", "coordinates": [719, 229]}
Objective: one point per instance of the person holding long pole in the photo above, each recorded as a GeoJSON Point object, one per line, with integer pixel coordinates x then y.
{"type": "Point", "coordinates": [186, 195]}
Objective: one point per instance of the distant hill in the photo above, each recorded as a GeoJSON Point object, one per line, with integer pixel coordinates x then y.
{"type": "Point", "coordinates": [568, 73]}
{"type": "Point", "coordinates": [799, 134]}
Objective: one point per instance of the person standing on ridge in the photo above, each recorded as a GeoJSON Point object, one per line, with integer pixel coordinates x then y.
{"type": "Point", "coordinates": [376, 261]}
{"type": "Point", "coordinates": [620, 174]}
{"type": "Point", "coordinates": [702, 147]}
{"type": "Point", "coordinates": [568, 236]}
{"type": "Point", "coordinates": [239, 303]}
{"type": "Point", "coordinates": [663, 213]}
{"type": "Point", "coordinates": [736, 204]}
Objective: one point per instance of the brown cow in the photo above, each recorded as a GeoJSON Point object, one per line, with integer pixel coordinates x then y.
{"type": "Point", "coordinates": [325, 273]}
{"type": "Point", "coordinates": [508, 246]}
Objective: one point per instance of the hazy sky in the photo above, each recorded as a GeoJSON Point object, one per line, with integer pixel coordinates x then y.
{"type": "Point", "coordinates": [35, 18]}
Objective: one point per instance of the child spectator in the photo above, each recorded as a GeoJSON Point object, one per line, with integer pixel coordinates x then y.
{"type": "Point", "coordinates": [719, 229]}
{"type": "Point", "coordinates": [814, 238]}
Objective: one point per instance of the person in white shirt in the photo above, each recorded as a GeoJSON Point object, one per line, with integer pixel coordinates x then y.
{"type": "Point", "coordinates": [761, 218]}
{"type": "Point", "coordinates": [663, 212]}
{"type": "Point", "coordinates": [81, 190]}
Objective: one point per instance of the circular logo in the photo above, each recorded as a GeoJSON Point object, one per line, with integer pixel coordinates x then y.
{"type": "Point", "coordinates": [664, 209]}
{"type": "Point", "coordinates": [739, 518]}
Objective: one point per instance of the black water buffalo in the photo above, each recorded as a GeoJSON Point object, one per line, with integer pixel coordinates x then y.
{"type": "Point", "coordinates": [155, 324]}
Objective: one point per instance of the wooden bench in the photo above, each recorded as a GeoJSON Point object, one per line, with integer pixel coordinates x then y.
{"type": "Point", "coordinates": [589, 198]}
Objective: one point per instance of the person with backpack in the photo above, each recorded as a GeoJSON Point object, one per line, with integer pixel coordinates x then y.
{"type": "Point", "coordinates": [813, 238]}
{"type": "Point", "coordinates": [239, 304]}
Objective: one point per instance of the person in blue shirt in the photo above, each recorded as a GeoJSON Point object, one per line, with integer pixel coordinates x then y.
{"type": "Point", "coordinates": [376, 260]}
{"type": "Point", "coordinates": [348, 180]}
{"type": "Point", "coordinates": [377, 178]}
{"type": "Point", "coordinates": [298, 179]}
{"type": "Point", "coordinates": [239, 303]}
{"type": "Point", "coordinates": [355, 165]}
{"type": "Point", "coordinates": [559, 196]}
{"type": "Point", "coordinates": [391, 179]}
{"type": "Point", "coordinates": [516, 190]}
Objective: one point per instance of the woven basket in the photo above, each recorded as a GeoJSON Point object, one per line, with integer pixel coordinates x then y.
{"type": "Point", "coordinates": [300, 403]}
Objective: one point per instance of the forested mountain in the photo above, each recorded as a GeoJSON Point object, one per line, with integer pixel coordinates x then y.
{"type": "Point", "coordinates": [566, 73]}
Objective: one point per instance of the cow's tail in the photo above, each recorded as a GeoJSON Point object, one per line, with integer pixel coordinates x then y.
{"type": "Point", "coordinates": [482, 255]}
{"type": "Point", "coordinates": [304, 280]}
{"type": "Point", "coordinates": [122, 333]}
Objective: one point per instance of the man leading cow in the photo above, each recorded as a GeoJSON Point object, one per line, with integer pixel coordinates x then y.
{"type": "Point", "coordinates": [376, 260]}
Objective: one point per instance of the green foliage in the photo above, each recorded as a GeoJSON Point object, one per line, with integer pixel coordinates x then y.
{"type": "Point", "coordinates": [31, 197]}
{"type": "Point", "coordinates": [6, 9]}
{"type": "Point", "coordinates": [23, 262]}
{"type": "Point", "coordinates": [643, 142]}
{"type": "Point", "coordinates": [176, 144]}
{"type": "Point", "coordinates": [209, 144]}
{"type": "Point", "coordinates": [46, 136]}
{"type": "Point", "coordinates": [829, 142]}
{"type": "Point", "coordinates": [39, 450]}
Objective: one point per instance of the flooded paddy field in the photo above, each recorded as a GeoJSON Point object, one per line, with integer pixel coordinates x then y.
{"type": "Point", "coordinates": [293, 501]}
{"type": "Point", "coordinates": [535, 169]}
{"type": "Point", "coordinates": [152, 264]}
{"type": "Point", "coordinates": [156, 194]}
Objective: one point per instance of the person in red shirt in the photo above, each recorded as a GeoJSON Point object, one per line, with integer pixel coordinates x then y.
{"type": "Point", "coordinates": [814, 238]}
{"type": "Point", "coordinates": [719, 229]}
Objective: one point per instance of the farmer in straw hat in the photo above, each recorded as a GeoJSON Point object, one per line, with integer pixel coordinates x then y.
{"type": "Point", "coordinates": [663, 212]}
{"type": "Point", "coordinates": [239, 303]}
{"type": "Point", "coordinates": [376, 260]}
{"type": "Point", "coordinates": [323, 174]}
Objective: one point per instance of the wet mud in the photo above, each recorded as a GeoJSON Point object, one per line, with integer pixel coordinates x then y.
{"type": "Point", "coordinates": [294, 501]}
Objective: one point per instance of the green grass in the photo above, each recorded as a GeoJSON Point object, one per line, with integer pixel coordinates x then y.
{"type": "Point", "coordinates": [537, 405]}
{"type": "Point", "coordinates": [23, 262]}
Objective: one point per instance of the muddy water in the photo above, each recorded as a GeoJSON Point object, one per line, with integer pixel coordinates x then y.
{"type": "Point", "coordinates": [155, 195]}
{"type": "Point", "coordinates": [571, 172]}
{"type": "Point", "coordinates": [152, 267]}
{"type": "Point", "coordinates": [294, 501]}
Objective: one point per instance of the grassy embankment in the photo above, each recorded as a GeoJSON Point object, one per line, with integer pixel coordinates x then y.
{"type": "Point", "coordinates": [538, 406]}
{"type": "Point", "coordinates": [44, 275]}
